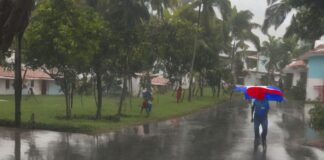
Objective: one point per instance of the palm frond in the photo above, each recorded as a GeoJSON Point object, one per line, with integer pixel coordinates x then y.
{"type": "Point", "coordinates": [270, 2]}
{"type": "Point", "coordinates": [275, 15]}
{"type": "Point", "coordinates": [224, 6]}
{"type": "Point", "coordinates": [14, 18]}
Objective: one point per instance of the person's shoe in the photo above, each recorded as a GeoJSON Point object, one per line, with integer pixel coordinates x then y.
{"type": "Point", "coordinates": [256, 142]}
{"type": "Point", "coordinates": [264, 144]}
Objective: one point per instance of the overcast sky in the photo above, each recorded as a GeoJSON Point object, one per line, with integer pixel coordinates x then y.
{"type": "Point", "coordinates": [258, 8]}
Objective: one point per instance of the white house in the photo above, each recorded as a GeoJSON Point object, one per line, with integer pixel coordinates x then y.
{"type": "Point", "coordinates": [40, 82]}
{"type": "Point", "coordinates": [295, 71]}
{"type": "Point", "coordinates": [255, 69]}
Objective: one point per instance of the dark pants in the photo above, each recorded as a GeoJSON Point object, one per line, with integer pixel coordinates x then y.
{"type": "Point", "coordinates": [264, 123]}
{"type": "Point", "coordinates": [149, 107]}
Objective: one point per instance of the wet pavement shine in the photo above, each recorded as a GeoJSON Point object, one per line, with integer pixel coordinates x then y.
{"type": "Point", "coordinates": [221, 133]}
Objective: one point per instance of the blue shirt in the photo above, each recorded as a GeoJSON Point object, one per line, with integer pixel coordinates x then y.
{"type": "Point", "coordinates": [261, 109]}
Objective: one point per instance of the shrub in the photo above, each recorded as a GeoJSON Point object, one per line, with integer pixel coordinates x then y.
{"type": "Point", "coordinates": [299, 92]}
{"type": "Point", "coordinates": [317, 116]}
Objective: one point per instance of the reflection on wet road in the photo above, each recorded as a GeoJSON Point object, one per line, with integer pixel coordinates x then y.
{"type": "Point", "coordinates": [222, 133]}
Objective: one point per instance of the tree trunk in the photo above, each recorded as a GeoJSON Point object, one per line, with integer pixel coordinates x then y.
{"type": "Point", "coordinates": [94, 89]}
{"type": "Point", "coordinates": [233, 65]}
{"type": "Point", "coordinates": [201, 85]}
{"type": "Point", "coordinates": [67, 99]}
{"type": "Point", "coordinates": [123, 95]}
{"type": "Point", "coordinates": [213, 90]}
{"type": "Point", "coordinates": [72, 94]}
{"type": "Point", "coordinates": [269, 76]}
{"type": "Point", "coordinates": [219, 85]}
{"type": "Point", "coordinates": [99, 94]}
{"type": "Point", "coordinates": [194, 57]}
{"type": "Point", "coordinates": [68, 93]}
{"type": "Point", "coordinates": [17, 145]}
{"type": "Point", "coordinates": [18, 82]}
{"type": "Point", "coordinates": [130, 92]}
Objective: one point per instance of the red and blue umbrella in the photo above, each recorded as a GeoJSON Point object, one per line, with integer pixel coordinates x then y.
{"type": "Point", "coordinates": [270, 93]}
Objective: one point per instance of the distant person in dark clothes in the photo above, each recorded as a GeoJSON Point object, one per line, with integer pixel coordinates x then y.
{"type": "Point", "coordinates": [31, 91]}
{"type": "Point", "coordinates": [179, 93]}
{"type": "Point", "coordinates": [281, 84]}
{"type": "Point", "coordinates": [148, 98]}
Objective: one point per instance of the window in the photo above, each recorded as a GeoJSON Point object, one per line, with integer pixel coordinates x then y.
{"type": "Point", "coordinates": [7, 84]}
{"type": "Point", "coordinates": [32, 83]}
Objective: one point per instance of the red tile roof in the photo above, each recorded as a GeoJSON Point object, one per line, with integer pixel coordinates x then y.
{"type": "Point", "coordinates": [320, 46]}
{"type": "Point", "coordinates": [318, 51]}
{"type": "Point", "coordinates": [159, 81]}
{"type": "Point", "coordinates": [295, 64]}
{"type": "Point", "coordinates": [31, 74]}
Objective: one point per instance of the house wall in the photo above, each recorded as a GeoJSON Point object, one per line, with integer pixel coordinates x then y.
{"type": "Point", "coordinates": [296, 78]}
{"type": "Point", "coordinates": [315, 77]}
{"type": "Point", "coordinates": [262, 64]}
{"type": "Point", "coordinates": [311, 93]}
{"type": "Point", "coordinates": [37, 87]}
{"type": "Point", "coordinates": [252, 79]}
{"type": "Point", "coordinates": [135, 86]}
{"type": "Point", "coordinates": [3, 90]}
{"type": "Point", "coordinates": [316, 66]}
{"type": "Point", "coordinates": [53, 88]}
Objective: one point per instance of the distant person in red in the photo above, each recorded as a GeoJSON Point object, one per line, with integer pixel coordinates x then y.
{"type": "Point", "coordinates": [179, 93]}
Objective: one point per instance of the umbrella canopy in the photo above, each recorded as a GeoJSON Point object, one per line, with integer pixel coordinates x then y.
{"type": "Point", "coordinates": [270, 93]}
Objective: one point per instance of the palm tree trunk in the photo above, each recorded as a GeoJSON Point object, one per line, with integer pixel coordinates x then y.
{"type": "Point", "coordinates": [233, 65]}
{"type": "Point", "coordinates": [99, 94]}
{"type": "Point", "coordinates": [219, 85]}
{"type": "Point", "coordinates": [194, 56]}
{"type": "Point", "coordinates": [18, 81]}
{"type": "Point", "coordinates": [72, 94]}
{"type": "Point", "coordinates": [130, 91]}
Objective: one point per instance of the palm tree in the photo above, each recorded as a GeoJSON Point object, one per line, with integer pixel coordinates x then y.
{"type": "Point", "coordinates": [240, 30]}
{"type": "Point", "coordinates": [280, 52]}
{"type": "Point", "coordinates": [124, 17]}
{"type": "Point", "coordinates": [274, 51]}
{"type": "Point", "coordinates": [14, 18]}
{"type": "Point", "coordinates": [276, 13]}
{"type": "Point", "coordinates": [307, 14]}
{"type": "Point", "coordinates": [207, 13]}
{"type": "Point", "coordinates": [160, 5]}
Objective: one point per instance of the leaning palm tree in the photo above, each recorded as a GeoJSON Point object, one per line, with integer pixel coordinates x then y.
{"type": "Point", "coordinates": [278, 10]}
{"type": "Point", "coordinates": [14, 18]}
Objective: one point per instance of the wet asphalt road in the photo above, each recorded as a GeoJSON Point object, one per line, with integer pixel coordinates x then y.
{"type": "Point", "coordinates": [222, 133]}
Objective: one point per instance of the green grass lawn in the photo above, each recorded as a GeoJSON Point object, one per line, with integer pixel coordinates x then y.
{"type": "Point", "coordinates": [48, 109]}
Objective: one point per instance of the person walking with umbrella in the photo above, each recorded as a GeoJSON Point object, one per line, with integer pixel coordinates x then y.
{"type": "Point", "coordinates": [260, 109]}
